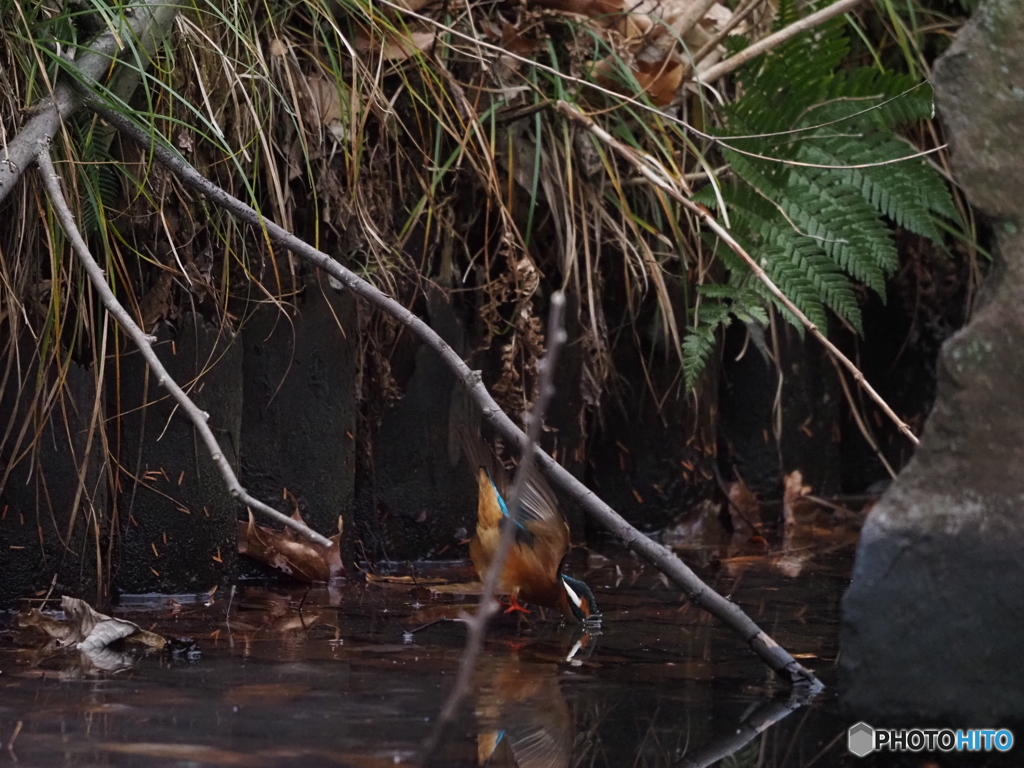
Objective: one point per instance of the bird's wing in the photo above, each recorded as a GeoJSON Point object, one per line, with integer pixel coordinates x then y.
{"type": "Point", "coordinates": [538, 502]}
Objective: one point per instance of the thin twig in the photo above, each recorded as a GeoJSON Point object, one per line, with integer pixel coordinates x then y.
{"type": "Point", "coordinates": [477, 623]}
{"type": "Point", "coordinates": [705, 50]}
{"type": "Point", "coordinates": [861, 425]}
{"type": "Point", "coordinates": [776, 657]}
{"type": "Point", "coordinates": [767, 43]}
{"type": "Point", "coordinates": [645, 164]}
{"type": "Point", "coordinates": [145, 344]}
{"type": "Point", "coordinates": [14, 736]}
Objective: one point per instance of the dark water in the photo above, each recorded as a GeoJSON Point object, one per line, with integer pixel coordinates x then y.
{"type": "Point", "coordinates": [335, 676]}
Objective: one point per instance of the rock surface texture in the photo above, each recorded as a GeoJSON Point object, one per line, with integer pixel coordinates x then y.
{"type": "Point", "coordinates": [933, 619]}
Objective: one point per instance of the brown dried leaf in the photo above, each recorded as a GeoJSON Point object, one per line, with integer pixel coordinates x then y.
{"type": "Point", "coordinates": [304, 560]}
{"type": "Point", "coordinates": [660, 80]}
{"type": "Point", "coordinates": [87, 629]}
{"type": "Point", "coordinates": [324, 101]}
{"type": "Point", "coordinates": [395, 46]}
{"type": "Point", "coordinates": [513, 40]}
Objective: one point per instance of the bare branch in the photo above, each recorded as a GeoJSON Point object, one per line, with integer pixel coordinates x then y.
{"type": "Point", "coordinates": [660, 556]}
{"type": "Point", "coordinates": [477, 624]}
{"type": "Point", "coordinates": [767, 43]}
{"type": "Point", "coordinates": [145, 344]}
{"type": "Point", "coordinates": [646, 166]}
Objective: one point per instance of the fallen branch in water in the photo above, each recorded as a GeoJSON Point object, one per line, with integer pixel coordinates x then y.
{"type": "Point", "coordinates": [477, 623]}
{"type": "Point", "coordinates": [652, 170]}
{"type": "Point", "coordinates": [145, 344]}
{"type": "Point", "coordinates": [660, 556]}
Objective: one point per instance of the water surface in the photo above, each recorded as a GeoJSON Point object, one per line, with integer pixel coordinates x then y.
{"type": "Point", "coordinates": [354, 674]}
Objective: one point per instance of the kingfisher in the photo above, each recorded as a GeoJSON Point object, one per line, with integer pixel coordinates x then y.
{"type": "Point", "coordinates": [533, 567]}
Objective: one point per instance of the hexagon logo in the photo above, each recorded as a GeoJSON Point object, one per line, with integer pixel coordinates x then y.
{"type": "Point", "coordinates": [860, 739]}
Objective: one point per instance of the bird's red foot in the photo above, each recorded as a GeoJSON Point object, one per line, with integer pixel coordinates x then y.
{"type": "Point", "coordinates": [514, 606]}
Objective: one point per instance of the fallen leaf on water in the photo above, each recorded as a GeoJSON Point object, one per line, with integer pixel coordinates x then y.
{"type": "Point", "coordinates": [408, 580]}
{"type": "Point", "coordinates": [790, 565]}
{"type": "Point", "coordinates": [285, 550]}
{"type": "Point", "coordinates": [190, 753]}
{"type": "Point", "coordinates": [87, 629]}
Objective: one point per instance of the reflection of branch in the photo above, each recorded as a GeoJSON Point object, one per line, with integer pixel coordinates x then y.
{"type": "Point", "coordinates": [477, 623]}
{"type": "Point", "coordinates": [765, 716]}
{"type": "Point", "coordinates": [661, 557]}
{"type": "Point", "coordinates": [647, 167]}
{"type": "Point", "coordinates": [145, 344]}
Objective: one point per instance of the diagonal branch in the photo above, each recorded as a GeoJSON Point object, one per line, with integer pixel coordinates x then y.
{"type": "Point", "coordinates": [660, 556]}
{"type": "Point", "coordinates": [145, 344]}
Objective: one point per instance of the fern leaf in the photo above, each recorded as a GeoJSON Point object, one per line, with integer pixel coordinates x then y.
{"type": "Point", "coordinates": [908, 192]}
{"type": "Point", "coordinates": [698, 344]}
{"type": "Point", "coordinates": [774, 240]}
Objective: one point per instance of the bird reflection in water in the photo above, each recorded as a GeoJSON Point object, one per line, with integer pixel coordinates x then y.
{"type": "Point", "coordinates": [522, 716]}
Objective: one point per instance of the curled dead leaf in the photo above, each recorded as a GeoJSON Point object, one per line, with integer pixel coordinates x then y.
{"type": "Point", "coordinates": [394, 45]}
{"type": "Point", "coordinates": [659, 80]}
{"type": "Point", "coordinates": [87, 629]}
{"type": "Point", "coordinates": [304, 560]}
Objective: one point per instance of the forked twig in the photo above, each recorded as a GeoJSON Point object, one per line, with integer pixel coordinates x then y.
{"type": "Point", "coordinates": [139, 22]}
{"type": "Point", "coordinates": [646, 165]}
{"type": "Point", "coordinates": [477, 623]}
{"type": "Point", "coordinates": [145, 344]}
{"type": "Point", "coordinates": [776, 657]}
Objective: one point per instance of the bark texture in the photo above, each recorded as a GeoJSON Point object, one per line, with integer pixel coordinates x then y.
{"type": "Point", "coordinates": [933, 619]}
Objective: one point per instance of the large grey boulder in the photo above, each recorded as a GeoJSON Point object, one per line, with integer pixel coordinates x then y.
{"type": "Point", "coordinates": [934, 619]}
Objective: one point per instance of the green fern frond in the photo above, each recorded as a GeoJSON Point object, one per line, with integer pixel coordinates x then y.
{"type": "Point", "coordinates": [867, 98]}
{"type": "Point", "coordinates": [715, 291]}
{"type": "Point", "coordinates": [818, 174]}
{"type": "Point", "coordinates": [848, 228]}
{"type": "Point", "coordinates": [822, 209]}
{"type": "Point", "coordinates": [698, 345]}
{"type": "Point", "coordinates": [812, 205]}
{"type": "Point", "coordinates": [776, 241]}
{"type": "Point", "coordinates": [699, 342]}
{"type": "Point", "coordinates": [908, 192]}
{"type": "Point", "coordinates": [740, 302]}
